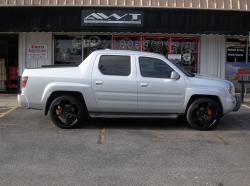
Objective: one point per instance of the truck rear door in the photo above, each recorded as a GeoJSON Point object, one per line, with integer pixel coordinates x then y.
{"type": "Point", "coordinates": [114, 83]}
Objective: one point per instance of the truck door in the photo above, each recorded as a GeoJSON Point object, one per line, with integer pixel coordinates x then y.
{"type": "Point", "coordinates": [157, 93]}
{"type": "Point", "coordinates": [114, 83]}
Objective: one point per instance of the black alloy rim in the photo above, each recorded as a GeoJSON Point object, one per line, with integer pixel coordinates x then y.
{"type": "Point", "coordinates": [66, 113]}
{"type": "Point", "coordinates": [205, 115]}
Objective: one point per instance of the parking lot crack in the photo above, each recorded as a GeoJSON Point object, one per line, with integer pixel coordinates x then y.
{"type": "Point", "coordinates": [221, 139]}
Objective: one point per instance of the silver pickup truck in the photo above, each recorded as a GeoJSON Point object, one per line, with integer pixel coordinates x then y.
{"type": "Point", "coordinates": [119, 84]}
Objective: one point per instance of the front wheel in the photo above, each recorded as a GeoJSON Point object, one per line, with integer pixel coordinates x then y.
{"type": "Point", "coordinates": [66, 112]}
{"type": "Point", "coordinates": [203, 114]}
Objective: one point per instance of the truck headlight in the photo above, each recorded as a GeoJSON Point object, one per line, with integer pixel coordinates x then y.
{"type": "Point", "coordinates": [231, 89]}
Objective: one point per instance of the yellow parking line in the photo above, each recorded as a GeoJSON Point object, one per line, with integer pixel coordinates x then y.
{"type": "Point", "coordinates": [5, 113]}
{"type": "Point", "coordinates": [101, 138]}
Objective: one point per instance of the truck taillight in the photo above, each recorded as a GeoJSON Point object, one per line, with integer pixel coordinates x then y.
{"type": "Point", "coordinates": [24, 81]}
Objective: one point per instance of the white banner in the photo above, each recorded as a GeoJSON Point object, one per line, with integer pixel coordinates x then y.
{"type": "Point", "coordinates": [37, 51]}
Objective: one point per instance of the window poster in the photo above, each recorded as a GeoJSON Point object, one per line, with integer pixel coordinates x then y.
{"type": "Point", "coordinates": [187, 48]}
{"type": "Point", "coordinates": [127, 43]}
{"type": "Point", "coordinates": [95, 42]}
{"type": "Point", "coordinates": [156, 44]}
{"type": "Point", "coordinates": [236, 54]}
{"type": "Point", "coordinates": [68, 50]}
{"type": "Point", "coordinates": [37, 51]}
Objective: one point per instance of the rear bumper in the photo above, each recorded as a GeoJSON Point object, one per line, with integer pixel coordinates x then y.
{"type": "Point", "coordinates": [238, 102]}
{"type": "Point", "coordinates": [22, 101]}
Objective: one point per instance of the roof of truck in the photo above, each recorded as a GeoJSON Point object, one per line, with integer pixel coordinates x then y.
{"type": "Point", "coordinates": [124, 52]}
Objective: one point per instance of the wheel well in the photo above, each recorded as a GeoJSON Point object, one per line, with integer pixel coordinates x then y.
{"type": "Point", "coordinates": [214, 98]}
{"type": "Point", "coordinates": [56, 94]}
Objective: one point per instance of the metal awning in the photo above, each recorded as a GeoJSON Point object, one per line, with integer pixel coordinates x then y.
{"type": "Point", "coordinates": [155, 20]}
{"type": "Point", "coordinates": [238, 5]}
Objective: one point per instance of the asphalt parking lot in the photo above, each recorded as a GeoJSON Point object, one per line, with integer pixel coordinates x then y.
{"type": "Point", "coordinates": [135, 152]}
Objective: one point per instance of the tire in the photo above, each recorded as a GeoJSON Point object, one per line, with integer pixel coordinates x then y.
{"type": "Point", "coordinates": [67, 112]}
{"type": "Point", "coordinates": [203, 114]}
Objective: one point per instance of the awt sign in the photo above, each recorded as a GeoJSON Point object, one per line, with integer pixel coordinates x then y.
{"type": "Point", "coordinates": [111, 18]}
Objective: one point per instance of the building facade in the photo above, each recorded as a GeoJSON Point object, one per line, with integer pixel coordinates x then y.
{"type": "Point", "coordinates": [207, 37]}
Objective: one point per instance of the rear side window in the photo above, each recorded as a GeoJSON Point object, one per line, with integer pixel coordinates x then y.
{"type": "Point", "coordinates": [154, 68]}
{"type": "Point", "coordinates": [115, 65]}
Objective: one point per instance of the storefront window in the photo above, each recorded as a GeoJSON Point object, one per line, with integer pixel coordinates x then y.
{"type": "Point", "coordinates": [184, 51]}
{"type": "Point", "coordinates": [156, 44]}
{"type": "Point", "coordinates": [127, 43]}
{"type": "Point", "coordinates": [238, 60]}
{"type": "Point", "coordinates": [68, 50]}
{"type": "Point", "coordinates": [236, 50]}
{"type": "Point", "coordinates": [181, 50]}
{"type": "Point", "coordinates": [93, 42]}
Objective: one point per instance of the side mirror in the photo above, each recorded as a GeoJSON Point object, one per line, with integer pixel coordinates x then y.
{"type": "Point", "coordinates": [174, 75]}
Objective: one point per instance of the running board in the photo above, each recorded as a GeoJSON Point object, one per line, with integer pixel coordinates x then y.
{"type": "Point", "coordinates": [129, 115]}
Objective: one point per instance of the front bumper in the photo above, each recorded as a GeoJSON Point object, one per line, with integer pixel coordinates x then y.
{"type": "Point", "coordinates": [238, 102]}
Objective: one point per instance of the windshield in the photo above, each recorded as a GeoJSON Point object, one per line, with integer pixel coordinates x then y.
{"type": "Point", "coordinates": [187, 73]}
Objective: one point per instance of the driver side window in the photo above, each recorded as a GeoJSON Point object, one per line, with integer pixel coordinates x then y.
{"type": "Point", "coordinates": [154, 68]}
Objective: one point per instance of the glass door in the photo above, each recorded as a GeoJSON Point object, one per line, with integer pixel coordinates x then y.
{"type": "Point", "coordinates": [3, 64]}
{"type": "Point", "coordinates": [8, 63]}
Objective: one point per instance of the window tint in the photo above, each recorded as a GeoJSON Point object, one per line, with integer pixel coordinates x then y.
{"type": "Point", "coordinates": [114, 65]}
{"type": "Point", "coordinates": [155, 68]}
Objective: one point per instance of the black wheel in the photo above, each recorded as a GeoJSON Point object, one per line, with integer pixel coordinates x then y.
{"type": "Point", "coordinates": [204, 114]}
{"type": "Point", "coordinates": [66, 112]}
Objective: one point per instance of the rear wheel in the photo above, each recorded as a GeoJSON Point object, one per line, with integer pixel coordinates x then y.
{"type": "Point", "coordinates": [204, 114]}
{"type": "Point", "coordinates": [66, 112]}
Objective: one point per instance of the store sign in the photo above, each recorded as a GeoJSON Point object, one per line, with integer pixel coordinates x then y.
{"type": "Point", "coordinates": [37, 51]}
{"type": "Point", "coordinates": [111, 18]}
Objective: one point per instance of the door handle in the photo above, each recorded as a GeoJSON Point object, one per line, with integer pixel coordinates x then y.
{"type": "Point", "coordinates": [144, 84]}
{"type": "Point", "coordinates": [99, 82]}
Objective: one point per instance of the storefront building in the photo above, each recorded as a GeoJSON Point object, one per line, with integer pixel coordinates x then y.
{"type": "Point", "coordinates": [207, 37]}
